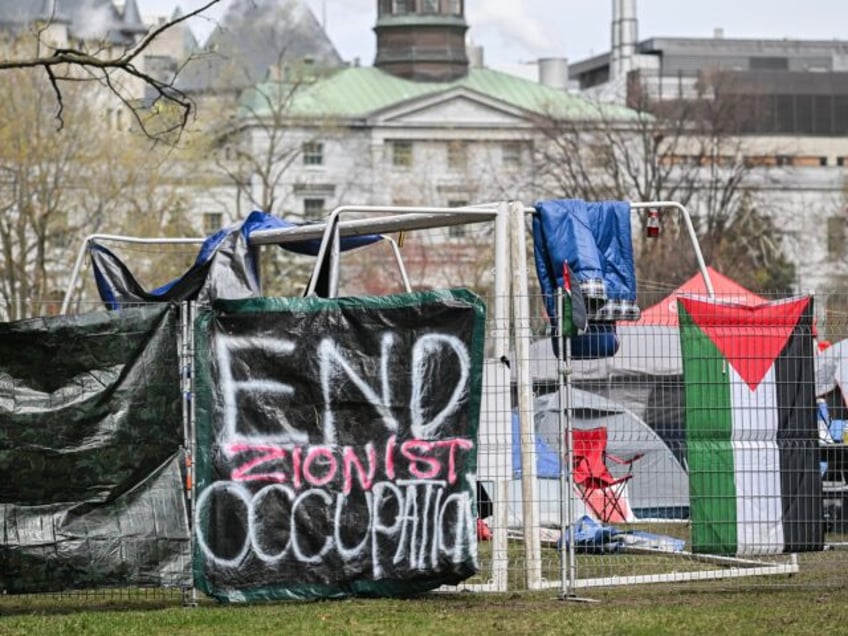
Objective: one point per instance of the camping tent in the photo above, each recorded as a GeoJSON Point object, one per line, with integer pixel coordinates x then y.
{"type": "Point", "coordinates": [650, 345]}
{"type": "Point", "coordinates": [665, 312]}
{"type": "Point", "coordinates": [832, 378]}
{"type": "Point", "coordinates": [659, 487]}
{"type": "Point", "coordinates": [646, 373]}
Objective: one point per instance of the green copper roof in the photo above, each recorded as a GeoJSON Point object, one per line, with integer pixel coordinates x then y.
{"type": "Point", "coordinates": [357, 92]}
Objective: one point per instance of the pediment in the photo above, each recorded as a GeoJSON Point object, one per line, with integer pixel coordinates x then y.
{"type": "Point", "coordinates": [460, 107]}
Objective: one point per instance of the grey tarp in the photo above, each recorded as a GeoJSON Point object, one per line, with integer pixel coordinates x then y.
{"type": "Point", "coordinates": [90, 431]}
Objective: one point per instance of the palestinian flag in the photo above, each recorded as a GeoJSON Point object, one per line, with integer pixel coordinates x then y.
{"type": "Point", "coordinates": [751, 434]}
{"type": "Point", "coordinates": [574, 319]}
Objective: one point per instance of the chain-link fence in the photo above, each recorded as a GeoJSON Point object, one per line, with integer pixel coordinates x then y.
{"type": "Point", "coordinates": [585, 461]}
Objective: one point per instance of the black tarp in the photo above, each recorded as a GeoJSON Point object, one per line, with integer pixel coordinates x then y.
{"type": "Point", "coordinates": [337, 445]}
{"type": "Point", "coordinates": [90, 435]}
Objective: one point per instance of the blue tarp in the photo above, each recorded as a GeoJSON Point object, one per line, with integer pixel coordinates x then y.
{"type": "Point", "coordinates": [592, 537]}
{"type": "Point", "coordinates": [594, 240]}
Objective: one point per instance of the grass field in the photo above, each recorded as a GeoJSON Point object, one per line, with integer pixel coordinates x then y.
{"type": "Point", "coordinates": [814, 601]}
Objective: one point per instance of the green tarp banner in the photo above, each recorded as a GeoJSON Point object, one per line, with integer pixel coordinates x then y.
{"type": "Point", "coordinates": [337, 445]}
{"type": "Point", "coordinates": [90, 432]}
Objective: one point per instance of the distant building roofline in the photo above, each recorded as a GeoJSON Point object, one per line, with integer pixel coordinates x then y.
{"type": "Point", "coordinates": [658, 44]}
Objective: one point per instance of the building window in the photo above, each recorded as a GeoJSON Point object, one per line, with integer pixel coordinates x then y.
{"type": "Point", "coordinates": [809, 161]}
{"type": "Point", "coordinates": [400, 7]}
{"type": "Point", "coordinates": [457, 155]}
{"type": "Point", "coordinates": [785, 113]}
{"type": "Point", "coordinates": [836, 236]}
{"type": "Point", "coordinates": [511, 154]}
{"type": "Point", "coordinates": [212, 222]}
{"type": "Point", "coordinates": [429, 6]}
{"type": "Point", "coordinates": [454, 7]}
{"type": "Point", "coordinates": [822, 114]}
{"type": "Point", "coordinates": [313, 208]}
{"type": "Point", "coordinates": [64, 238]}
{"type": "Point", "coordinates": [601, 155]}
{"type": "Point", "coordinates": [684, 160]}
{"type": "Point", "coordinates": [402, 153]}
{"type": "Point", "coordinates": [768, 63]}
{"type": "Point", "coordinates": [457, 231]}
{"type": "Point", "coordinates": [840, 115]}
{"type": "Point", "coordinates": [758, 161]}
{"type": "Point", "coordinates": [313, 154]}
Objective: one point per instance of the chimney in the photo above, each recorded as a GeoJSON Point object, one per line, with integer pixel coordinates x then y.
{"type": "Point", "coordinates": [475, 55]}
{"type": "Point", "coordinates": [625, 35]}
{"type": "Point", "coordinates": [553, 72]}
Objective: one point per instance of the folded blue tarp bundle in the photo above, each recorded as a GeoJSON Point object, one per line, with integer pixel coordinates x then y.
{"type": "Point", "coordinates": [592, 537]}
{"type": "Point", "coordinates": [224, 268]}
{"type": "Point", "coordinates": [594, 241]}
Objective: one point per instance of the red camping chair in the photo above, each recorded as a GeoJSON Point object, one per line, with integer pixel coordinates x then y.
{"type": "Point", "coordinates": [600, 490]}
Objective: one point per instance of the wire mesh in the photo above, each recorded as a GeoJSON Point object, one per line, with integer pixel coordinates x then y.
{"type": "Point", "coordinates": [643, 532]}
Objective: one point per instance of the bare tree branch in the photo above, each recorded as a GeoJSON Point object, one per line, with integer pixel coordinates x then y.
{"type": "Point", "coordinates": [100, 67]}
{"type": "Point", "coordinates": [691, 151]}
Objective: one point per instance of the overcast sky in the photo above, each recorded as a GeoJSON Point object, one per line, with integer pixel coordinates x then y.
{"type": "Point", "coordinates": [513, 31]}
